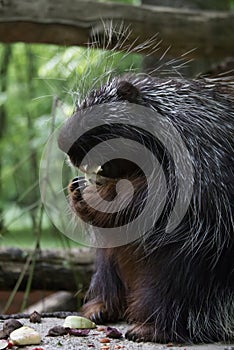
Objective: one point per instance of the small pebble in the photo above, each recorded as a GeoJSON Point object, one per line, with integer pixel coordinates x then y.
{"type": "Point", "coordinates": [3, 335]}
{"type": "Point", "coordinates": [10, 325]}
{"type": "Point", "coordinates": [112, 332]}
{"type": "Point", "coordinates": [56, 331]}
{"type": "Point", "coordinates": [100, 329]}
{"type": "Point", "coordinates": [35, 317]}
{"type": "Point", "coordinates": [104, 340]}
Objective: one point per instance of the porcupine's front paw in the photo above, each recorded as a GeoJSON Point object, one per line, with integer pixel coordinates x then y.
{"type": "Point", "coordinates": [141, 333]}
{"type": "Point", "coordinates": [79, 191]}
{"type": "Point", "coordinates": [86, 198]}
{"type": "Point", "coordinates": [97, 312]}
{"type": "Point", "coordinates": [76, 188]}
{"type": "Point", "coordinates": [150, 333]}
{"type": "Point", "coordinates": [147, 333]}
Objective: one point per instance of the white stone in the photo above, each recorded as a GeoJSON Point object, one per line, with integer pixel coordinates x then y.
{"type": "Point", "coordinates": [25, 336]}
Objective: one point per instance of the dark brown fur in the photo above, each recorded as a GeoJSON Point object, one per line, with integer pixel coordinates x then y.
{"type": "Point", "coordinates": [181, 289]}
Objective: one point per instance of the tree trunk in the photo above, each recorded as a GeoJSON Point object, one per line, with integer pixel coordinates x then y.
{"type": "Point", "coordinates": [4, 64]}
{"type": "Point", "coordinates": [34, 195]}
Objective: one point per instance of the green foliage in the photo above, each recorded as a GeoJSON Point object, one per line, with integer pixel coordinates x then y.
{"type": "Point", "coordinates": [36, 77]}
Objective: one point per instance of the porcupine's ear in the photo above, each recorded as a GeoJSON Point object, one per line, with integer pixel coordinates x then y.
{"type": "Point", "coordinates": [127, 91]}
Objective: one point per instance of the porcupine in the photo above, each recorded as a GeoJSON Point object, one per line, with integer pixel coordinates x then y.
{"type": "Point", "coordinates": [180, 288]}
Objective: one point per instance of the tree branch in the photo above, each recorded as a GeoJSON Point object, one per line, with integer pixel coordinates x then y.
{"type": "Point", "coordinates": [73, 22]}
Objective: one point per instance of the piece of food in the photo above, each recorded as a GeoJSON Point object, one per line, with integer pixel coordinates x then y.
{"type": "Point", "coordinates": [25, 336]}
{"type": "Point", "coordinates": [78, 332]}
{"type": "Point", "coordinates": [78, 322]}
{"type": "Point", "coordinates": [3, 344]}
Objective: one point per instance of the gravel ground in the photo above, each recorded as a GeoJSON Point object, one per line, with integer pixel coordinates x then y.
{"type": "Point", "coordinates": [92, 341]}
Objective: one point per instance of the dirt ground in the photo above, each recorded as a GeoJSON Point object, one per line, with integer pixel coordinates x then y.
{"type": "Point", "coordinates": [92, 341]}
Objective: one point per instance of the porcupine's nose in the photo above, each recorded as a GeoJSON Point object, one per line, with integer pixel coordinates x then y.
{"type": "Point", "coordinates": [79, 182]}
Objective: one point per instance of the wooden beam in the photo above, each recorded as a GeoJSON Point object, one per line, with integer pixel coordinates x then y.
{"type": "Point", "coordinates": [73, 22]}
{"type": "Point", "coordinates": [54, 269]}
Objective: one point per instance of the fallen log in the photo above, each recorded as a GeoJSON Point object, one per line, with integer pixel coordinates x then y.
{"type": "Point", "coordinates": [54, 269]}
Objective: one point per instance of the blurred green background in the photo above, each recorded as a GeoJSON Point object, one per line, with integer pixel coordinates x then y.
{"type": "Point", "coordinates": [36, 83]}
